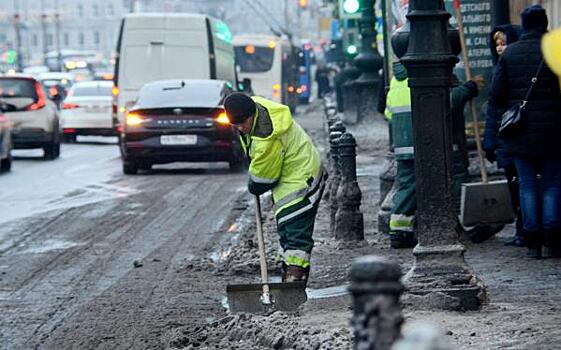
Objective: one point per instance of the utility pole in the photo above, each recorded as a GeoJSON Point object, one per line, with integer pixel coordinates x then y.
{"type": "Point", "coordinates": [57, 28]}
{"type": "Point", "coordinates": [44, 32]}
{"type": "Point", "coordinates": [19, 62]}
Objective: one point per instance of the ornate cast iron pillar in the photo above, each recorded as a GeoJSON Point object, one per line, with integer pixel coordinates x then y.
{"type": "Point", "coordinates": [349, 222]}
{"type": "Point", "coordinates": [440, 268]}
{"type": "Point", "coordinates": [369, 62]}
{"type": "Point", "coordinates": [350, 93]}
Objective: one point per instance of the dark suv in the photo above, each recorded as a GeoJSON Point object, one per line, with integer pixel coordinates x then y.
{"type": "Point", "coordinates": [179, 121]}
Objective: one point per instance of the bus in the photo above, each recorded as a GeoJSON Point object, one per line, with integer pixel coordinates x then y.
{"type": "Point", "coordinates": [305, 61]}
{"type": "Point", "coordinates": [271, 63]}
{"type": "Point", "coordinates": [158, 46]}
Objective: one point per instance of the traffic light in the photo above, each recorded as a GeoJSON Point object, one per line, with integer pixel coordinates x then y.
{"type": "Point", "coordinates": [350, 9]}
{"type": "Point", "coordinates": [303, 3]}
{"type": "Point", "coordinates": [11, 56]}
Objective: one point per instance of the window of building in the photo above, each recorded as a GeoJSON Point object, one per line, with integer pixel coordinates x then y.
{"type": "Point", "coordinates": [35, 40]}
{"type": "Point", "coordinates": [96, 38]}
{"type": "Point", "coordinates": [66, 39]}
{"type": "Point", "coordinates": [95, 10]}
{"type": "Point", "coordinates": [50, 40]}
{"type": "Point", "coordinates": [110, 10]}
{"type": "Point", "coordinates": [80, 10]}
{"type": "Point", "coordinates": [81, 39]}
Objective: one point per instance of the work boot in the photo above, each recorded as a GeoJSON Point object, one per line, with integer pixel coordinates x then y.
{"type": "Point", "coordinates": [293, 273]}
{"type": "Point", "coordinates": [402, 240]}
{"type": "Point", "coordinates": [552, 244]}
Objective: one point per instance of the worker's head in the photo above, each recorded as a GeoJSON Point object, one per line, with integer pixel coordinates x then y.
{"type": "Point", "coordinates": [534, 18]}
{"type": "Point", "coordinates": [240, 109]}
{"type": "Point", "coordinates": [500, 42]}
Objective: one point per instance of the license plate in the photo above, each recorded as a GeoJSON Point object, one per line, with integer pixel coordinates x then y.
{"type": "Point", "coordinates": [178, 139]}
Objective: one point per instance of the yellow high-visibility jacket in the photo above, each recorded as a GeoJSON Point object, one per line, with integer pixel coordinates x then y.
{"type": "Point", "coordinates": [282, 156]}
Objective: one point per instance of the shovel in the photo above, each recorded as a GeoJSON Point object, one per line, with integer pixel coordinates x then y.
{"type": "Point", "coordinates": [481, 202]}
{"type": "Point", "coordinates": [265, 297]}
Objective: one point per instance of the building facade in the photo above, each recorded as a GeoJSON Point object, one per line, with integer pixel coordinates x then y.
{"type": "Point", "coordinates": [82, 25]}
{"type": "Point", "coordinates": [94, 24]}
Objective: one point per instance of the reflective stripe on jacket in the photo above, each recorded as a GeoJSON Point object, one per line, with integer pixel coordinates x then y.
{"type": "Point", "coordinates": [283, 157]}
{"type": "Point", "coordinates": [398, 111]}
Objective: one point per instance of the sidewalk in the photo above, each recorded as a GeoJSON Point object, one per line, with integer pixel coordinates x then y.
{"type": "Point", "coordinates": [524, 299]}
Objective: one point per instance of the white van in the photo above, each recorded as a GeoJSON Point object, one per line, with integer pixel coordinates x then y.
{"type": "Point", "coordinates": [158, 46]}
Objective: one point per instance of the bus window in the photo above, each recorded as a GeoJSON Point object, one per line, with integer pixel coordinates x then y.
{"type": "Point", "coordinates": [254, 59]}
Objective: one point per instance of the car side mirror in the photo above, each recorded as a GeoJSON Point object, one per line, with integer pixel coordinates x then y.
{"type": "Point", "coordinates": [7, 107]}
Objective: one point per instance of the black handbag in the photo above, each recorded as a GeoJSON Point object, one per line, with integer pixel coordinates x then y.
{"type": "Point", "coordinates": [512, 118]}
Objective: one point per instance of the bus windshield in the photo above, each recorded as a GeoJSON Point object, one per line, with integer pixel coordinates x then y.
{"type": "Point", "coordinates": [254, 59]}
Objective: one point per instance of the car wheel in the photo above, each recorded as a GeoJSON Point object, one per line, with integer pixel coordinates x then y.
{"type": "Point", "coordinates": [144, 166]}
{"type": "Point", "coordinates": [52, 150]}
{"type": "Point", "coordinates": [6, 164]}
{"type": "Point", "coordinates": [130, 167]}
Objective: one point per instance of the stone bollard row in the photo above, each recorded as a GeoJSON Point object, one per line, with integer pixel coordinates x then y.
{"type": "Point", "coordinates": [349, 221]}
{"type": "Point", "coordinates": [377, 319]}
{"type": "Point", "coordinates": [376, 289]}
{"type": "Point", "coordinates": [336, 131]}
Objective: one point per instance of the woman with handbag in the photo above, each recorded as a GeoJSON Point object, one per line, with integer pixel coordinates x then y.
{"type": "Point", "coordinates": [502, 36]}
{"type": "Point", "coordinates": [528, 92]}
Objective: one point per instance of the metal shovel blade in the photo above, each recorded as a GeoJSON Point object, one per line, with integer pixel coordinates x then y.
{"type": "Point", "coordinates": [247, 297]}
{"type": "Point", "coordinates": [486, 203]}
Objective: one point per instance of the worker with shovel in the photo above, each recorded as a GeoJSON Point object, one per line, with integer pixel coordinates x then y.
{"type": "Point", "coordinates": [282, 159]}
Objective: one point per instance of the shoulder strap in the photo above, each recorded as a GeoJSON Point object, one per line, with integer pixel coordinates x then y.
{"type": "Point", "coordinates": [533, 83]}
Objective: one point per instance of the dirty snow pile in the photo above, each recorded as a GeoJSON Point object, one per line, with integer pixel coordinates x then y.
{"type": "Point", "coordinates": [244, 331]}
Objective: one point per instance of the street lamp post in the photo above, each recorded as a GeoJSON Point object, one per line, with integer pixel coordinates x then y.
{"type": "Point", "coordinates": [439, 268]}
{"type": "Point", "coordinates": [369, 62]}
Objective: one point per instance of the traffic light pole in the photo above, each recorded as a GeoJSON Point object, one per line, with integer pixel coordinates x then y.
{"type": "Point", "coordinates": [369, 62]}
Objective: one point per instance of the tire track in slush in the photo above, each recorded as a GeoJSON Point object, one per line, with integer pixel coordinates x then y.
{"type": "Point", "coordinates": [87, 280]}
{"type": "Point", "coordinates": [131, 302]}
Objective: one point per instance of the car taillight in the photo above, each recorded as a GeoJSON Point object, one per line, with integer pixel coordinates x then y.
{"type": "Point", "coordinates": [135, 119]}
{"type": "Point", "coordinates": [41, 99]}
{"type": "Point", "coordinates": [70, 106]}
{"type": "Point", "coordinates": [223, 119]}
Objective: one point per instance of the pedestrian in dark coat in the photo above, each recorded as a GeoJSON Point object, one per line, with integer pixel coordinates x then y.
{"type": "Point", "coordinates": [536, 146]}
{"type": "Point", "coordinates": [495, 150]}
{"type": "Point", "coordinates": [322, 79]}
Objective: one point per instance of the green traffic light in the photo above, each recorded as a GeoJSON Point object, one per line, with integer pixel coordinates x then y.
{"type": "Point", "coordinates": [352, 49]}
{"type": "Point", "coordinates": [351, 6]}
{"type": "Point", "coordinates": [11, 56]}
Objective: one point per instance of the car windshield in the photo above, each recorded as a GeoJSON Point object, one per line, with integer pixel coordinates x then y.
{"type": "Point", "coordinates": [92, 91]}
{"type": "Point", "coordinates": [176, 94]}
{"type": "Point", "coordinates": [18, 88]}
{"type": "Point", "coordinates": [254, 59]}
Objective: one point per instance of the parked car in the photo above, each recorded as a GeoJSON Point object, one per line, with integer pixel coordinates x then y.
{"type": "Point", "coordinates": [35, 118]}
{"type": "Point", "coordinates": [180, 121]}
{"type": "Point", "coordinates": [87, 110]}
{"type": "Point", "coordinates": [5, 138]}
